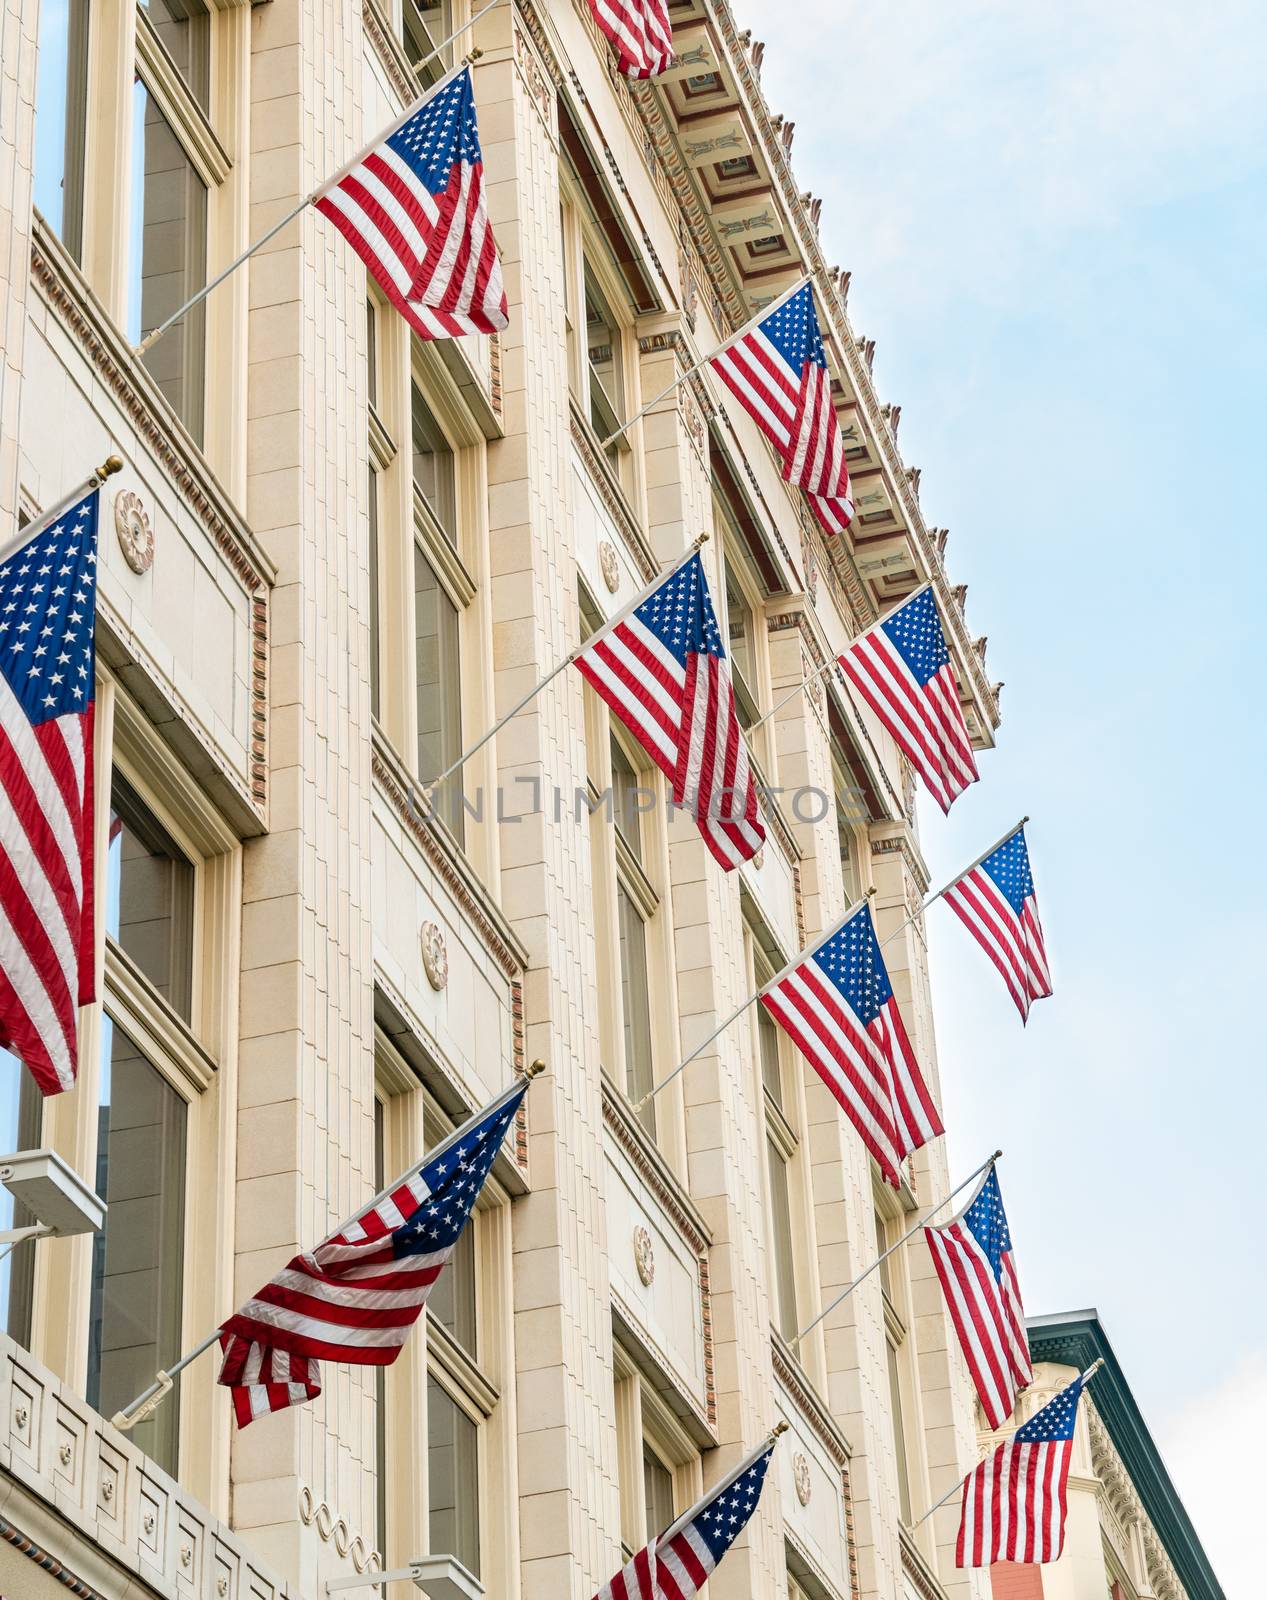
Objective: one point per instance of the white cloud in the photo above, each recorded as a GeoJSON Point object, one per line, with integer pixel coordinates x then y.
{"type": "Point", "coordinates": [1213, 1450]}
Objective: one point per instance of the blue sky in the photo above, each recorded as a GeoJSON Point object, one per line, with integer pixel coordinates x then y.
{"type": "Point", "coordinates": [1055, 222]}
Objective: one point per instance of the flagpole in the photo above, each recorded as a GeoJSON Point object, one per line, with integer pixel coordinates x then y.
{"type": "Point", "coordinates": [562, 666]}
{"type": "Point", "coordinates": [108, 468]}
{"type": "Point", "coordinates": [933, 898]}
{"type": "Point", "coordinates": [739, 1010]}
{"type": "Point", "coordinates": [956, 1488]}
{"type": "Point", "coordinates": [881, 1259]}
{"type": "Point", "coordinates": [149, 1400]}
{"type": "Point", "coordinates": [718, 1489]}
{"type": "Point", "coordinates": [155, 334]}
{"type": "Point", "coordinates": [725, 345]}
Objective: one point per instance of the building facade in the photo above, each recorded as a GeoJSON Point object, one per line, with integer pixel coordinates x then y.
{"type": "Point", "coordinates": [1127, 1536]}
{"type": "Point", "coordinates": [333, 556]}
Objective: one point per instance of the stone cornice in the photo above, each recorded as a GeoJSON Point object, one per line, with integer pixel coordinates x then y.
{"type": "Point", "coordinates": [1114, 1482]}
{"type": "Point", "coordinates": [791, 1376]}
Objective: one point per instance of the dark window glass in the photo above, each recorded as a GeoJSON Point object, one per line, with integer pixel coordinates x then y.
{"type": "Point", "coordinates": [426, 24]}
{"type": "Point", "coordinates": [626, 798]}
{"type": "Point", "coordinates": [605, 379]}
{"type": "Point", "coordinates": [61, 92]}
{"type": "Point", "coordinates": [452, 1300]}
{"type": "Point", "coordinates": [138, 1257]}
{"type": "Point", "coordinates": [21, 1119]}
{"type": "Point", "coordinates": [657, 1483]}
{"type": "Point", "coordinates": [899, 1439]}
{"type": "Point", "coordinates": [184, 28]}
{"type": "Point", "coordinates": [636, 1005]}
{"type": "Point", "coordinates": [435, 472]}
{"type": "Point", "coordinates": [768, 1043]}
{"type": "Point", "coordinates": [376, 639]}
{"type": "Point", "coordinates": [439, 688]}
{"type": "Point", "coordinates": [452, 1479]}
{"type": "Point", "coordinates": [167, 260]}
{"type": "Point", "coordinates": [150, 897]}
{"type": "Point", "coordinates": [371, 350]}
{"type": "Point", "coordinates": [784, 1309]}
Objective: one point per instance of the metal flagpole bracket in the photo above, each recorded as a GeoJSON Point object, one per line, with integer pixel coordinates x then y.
{"type": "Point", "coordinates": [125, 1421]}
{"type": "Point", "coordinates": [438, 1577]}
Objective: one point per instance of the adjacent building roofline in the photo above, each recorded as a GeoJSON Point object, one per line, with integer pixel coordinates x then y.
{"type": "Point", "coordinates": [1076, 1339]}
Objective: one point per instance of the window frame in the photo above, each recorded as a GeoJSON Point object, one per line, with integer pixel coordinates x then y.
{"type": "Point", "coordinates": [645, 1422]}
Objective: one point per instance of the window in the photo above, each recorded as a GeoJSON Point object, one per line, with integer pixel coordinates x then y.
{"type": "Point", "coordinates": [61, 94]}
{"type": "Point", "coordinates": [897, 1352]}
{"type": "Point", "coordinates": [627, 798]}
{"type": "Point", "coordinates": [743, 595]}
{"type": "Point", "coordinates": [438, 686]}
{"type": "Point", "coordinates": [768, 1045]}
{"type": "Point", "coordinates": [150, 898]}
{"type": "Point", "coordinates": [435, 474]}
{"type": "Point", "coordinates": [899, 1437]}
{"type": "Point", "coordinates": [605, 389]}
{"type": "Point", "coordinates": [424, 25]}
{"type": "Point", "coordinates": [21, 1118]}
{"type": "Point", "coordinates": [657, 1467]}
{"type": "Point", "coordinates": [657, 1482]}
{"type": "Point", "coordinates": [636, 1007]}
{"type": "Point", "coordinates": [851, 821]}
{"type": "Point", "coordinates": [183, 28]}
{"type": "Point", "coordinates": [784, 1288]}
{"type": "Point", "coordinates": [452, 1479]}
{"type": "Point", "coordinates": [376, 621]}
{"type": "Point", "coordinates": [452, 1302]}
{"type": "Point", "coordinates": [167, 258]}
{"type": "Point", "coordinates": [740, 647]}
{"type": "Point", "coordinates": [138, 1257]}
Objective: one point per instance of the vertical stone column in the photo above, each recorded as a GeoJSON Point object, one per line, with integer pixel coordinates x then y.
{"type": "Point", "coordinates": [18, 21]}
{"type": "Point", "coordinates": [567, 1441]}
{"type": "Point", "coordinates": [305, 1154]}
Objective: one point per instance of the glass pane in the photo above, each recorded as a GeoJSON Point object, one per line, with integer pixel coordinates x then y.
{"type": "Point", "coordinates": [848, 855]}
{"type": "Point", "coordinates": [657, 1483]}
{"type": "Point", "coordinates": [452, 1479]}
{"type": "Point", "coordinates": [739, 619]}
{"type": "Point", "coordinates": [21, 1119]}
{"type": "Point", "coordinates": [452, 1300]}
{"type": "Point", "coordinates": [426, 23]}
{"type": "Point", "coordinates": [602, 344]}
{"type": "Point", "coordinates": [784, 1309]}
{"type": "Point", "coordinates": [435, 474]}
{"type": "Point", "coordinates": [371, 351]}
{"type": "Point", "coordinates": [899, 1438]}
{"type": "Point", "coordinates": [150, 897]}
{"type": "Point", "coordinates": [376, 690]}
{"type": "Point", "coordinates": [185, 30]}
{"type": "Point", "coordinates": [768, 1043]}
{"type": "Point", "coordinates": [439, 684]}
{"type": "Point", "coordinates": [60, 100]}
{"type": "Point", "coordinates": [625, 798]}
{"type": "Point", "coordinates": [167, 259]}
{"type": "Point", "coordinates": [881, 1245]}
{"type": "Point", "coordinates": [138, 1258]}
{"type": "Point", "coordinates": [636, 1005]}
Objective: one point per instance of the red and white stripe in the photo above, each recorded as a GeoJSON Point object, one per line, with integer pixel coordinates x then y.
{"type": "Point", "coordinates": [351, 1299]}
{"type": "Point", "coordinates": [795, 412]}
{"type": "Point", "coordinates": [1014, 1504]}
{"type": "Point", "coordinates": [434, 257]}
{"type": "Point", "coordinates": [683, 1565]}
{"type": "Point", "coordinates": [640, 33]}
{"type": "Point", "coordinates": [685, 720]}
{"type": "Point", "coordinates": [988, 1317]}
{"type": "Point", "coordinates": [871, 1071]}
{"type": "Point", "coordinates": [47, 940]}
{"type": "Point", "coordinates": [926, 720]}
{"type": "Point", "coordinates": [1013, 943]}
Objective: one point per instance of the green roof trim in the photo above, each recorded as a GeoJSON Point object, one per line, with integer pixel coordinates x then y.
{"type": "Point", "coordinates": [1076, 1339]}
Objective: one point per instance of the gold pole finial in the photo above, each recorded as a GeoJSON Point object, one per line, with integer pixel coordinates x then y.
{"type": "Point", "coordinates": [778, 1429]}
{"type": "Point", "coordinates": [112, 464]}
{"type": "Point", "coordinates": [533, 1068]}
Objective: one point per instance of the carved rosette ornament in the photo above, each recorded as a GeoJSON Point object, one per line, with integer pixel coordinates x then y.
{"type": "Point", "coordinates": [609, 563]}
{"type": "Point", "coordinates": [644, 1256]}
{"type": "Point", "coordinates": [135, 533]}
{"type": "Point", "coordinates": [801, 1477]}
{"type": "Point", "coordinates": [435, 958]}
{"type": "Point", "coordinates": [758, 857]}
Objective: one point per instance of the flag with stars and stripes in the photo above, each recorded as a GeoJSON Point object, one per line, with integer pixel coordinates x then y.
{"type": "Point", "coordinates": [778, 372]}
{"type": "Point", "coordinates": [663, 670]}
{"type": "Point", "coordinates": [48, 609]}
{"type": "Point", "coordinates": [414, 209]}
{"type": "Point", "coordinates": [837, 1005]}
{"type": "Point", "coordinates": [973, 1256]}
{"type": "Point", "coordinates": [676, 1564]}
{"type": "Point", "coordinates": [995, 901]}
{"type": "Point", "coordinates": [640, 33]}
{"type": "Point", "coordinates": [901, 667]}
{"type": "Point", "coordinates": [1014, 1503]}
{"type": "Point", "coordinates": [355, 1297]}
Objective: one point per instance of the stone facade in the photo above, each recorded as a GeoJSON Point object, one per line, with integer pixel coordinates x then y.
{"type": "Point", "coordinates": [353, 555]}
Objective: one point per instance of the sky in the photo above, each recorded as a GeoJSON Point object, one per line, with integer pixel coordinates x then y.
{"type": "Point", "coordinates": [1055, 219]}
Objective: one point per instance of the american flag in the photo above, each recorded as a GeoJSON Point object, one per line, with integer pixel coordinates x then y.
{"type": "Point", "coordinates": [902, 669]}
{"type": "Point", "coordinates": [640, 33]}
{"type": "Point", "coordinates": [973, 1257]}
{"type": "Point", "coordinates": [995, 901]}
{"type": "Point", "coordinates": [676, 1564]}
{"type": "Point", "coordinates": [778, 371]}
{"type": "Point", "coordinates": [356, 1296]}
{"type": "Point", "coordinates": [48, 609]}
{"type": "Point", "coordinates": [415, 211]}
{"type": "Point", "coordinates": [837, 1004]}
{"type": "Point", "coordinates": [663, 670]}
{"type": "Point", "coordinates": [1013, 1506]}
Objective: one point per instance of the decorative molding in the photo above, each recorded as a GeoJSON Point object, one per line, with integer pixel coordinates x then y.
{"type": "Point", "coordinates": [334, 1530]}
{"type": "Point", "coordinates": [800, 1393]}
{"type": "Point", "coordinates": [609, 564]}
{"type": "Point", "coordinates": [1125, 1505]}
{"type": "Point", "coordinates": [48, 1563]}
{"type": "Point", "coordinates": [921, 1576]}
{"type": "Point", "coordinates": [390, 52]}
{"type": "Point", "coordinates": [134, 530]}
{"type": "Point", "coordinates": [435, 957]}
